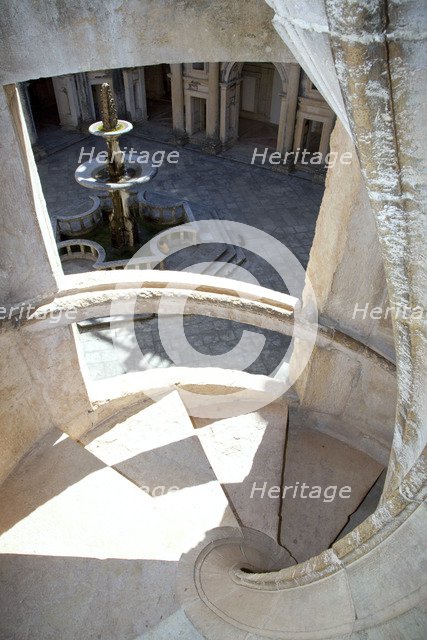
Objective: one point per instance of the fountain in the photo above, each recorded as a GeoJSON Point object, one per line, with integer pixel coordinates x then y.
{"type": "Point", "coordinates": [115, 175]}
{"type": "Point", "coordinates": [133, 218]}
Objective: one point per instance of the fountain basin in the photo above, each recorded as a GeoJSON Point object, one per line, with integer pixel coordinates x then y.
{"type": "Point", "coordinates": [94, 175]}
{"type": "Point", "coordinates": [123, 126]}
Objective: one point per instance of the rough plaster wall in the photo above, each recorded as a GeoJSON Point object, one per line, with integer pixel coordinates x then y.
{"type": "Point", "coordinates": [22, 418]}
{"type": "Point", "coordinates": [41, 384]}
{"type": "Point", "coordinates": [52, 37]}
{"type": "Point", "coordinates": [353, 401]}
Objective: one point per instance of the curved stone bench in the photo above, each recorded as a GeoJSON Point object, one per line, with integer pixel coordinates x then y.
{"type": "Point", "coordinates": [79, 224]}
{"type": "Point", "coordinates": [80, 249]}
{"type": "Point", "coordinates": [160, 215]}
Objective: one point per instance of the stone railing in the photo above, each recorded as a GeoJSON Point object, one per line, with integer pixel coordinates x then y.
{"type": "Point", "coordinates": [157, 257]}
{"type": "Point", "coordinates": [145, 263]}
{"type": "Point", "coordinates": [163, 215]}
{"type": "Point", "coordinates": [80, 249]}
{"type": "Point", "coordinates": [79, 224]}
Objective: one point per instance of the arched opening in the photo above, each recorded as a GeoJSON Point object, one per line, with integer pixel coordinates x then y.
{"type": "Point", "coordinates": [259, 109]}
{"type": "Point", "coordinates": [253, 106]}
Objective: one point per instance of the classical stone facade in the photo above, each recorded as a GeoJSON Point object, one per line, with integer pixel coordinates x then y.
{"type": "Point", "coordinates": [204, 102]}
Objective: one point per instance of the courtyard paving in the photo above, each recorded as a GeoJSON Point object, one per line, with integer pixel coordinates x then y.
{"type": "Point", "coordinates": [285, 206]}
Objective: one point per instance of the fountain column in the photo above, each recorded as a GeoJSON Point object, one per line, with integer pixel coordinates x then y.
{"type": "Point", "coordinates": [116, 175]}
{"type": "Point", "coordinates": [123, 229]}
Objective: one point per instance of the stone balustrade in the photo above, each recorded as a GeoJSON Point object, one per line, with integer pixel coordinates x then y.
{"type": "Point", "coordinates": [156, 260]}
{"type": "Point", "coordinates": [80, 249]}
{"type": "Point", "coordinates": [145, 263]}
{"type": "Point", "coordinates": [79, 224]}
{"type": "Point", "coordinates": [161, 215]}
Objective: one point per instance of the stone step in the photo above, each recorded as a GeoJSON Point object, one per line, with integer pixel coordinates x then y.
{"type": "Point", "coordinates": [158, 450]}
{"type": "Point", "coordinates": [229, 270]}
{"type": "Point", "coordinates": [211, 252]}
{"type": "Point", "coordinates": [81, 549]}
{"type": "Point", "coordinates": [85, 529]}
{"type": "Point", "coordinates": [311, 524]}
{"type": "Point", "coordinates": [176, 626]}
{"type": "Point", "coordinates": [237, 449]}
{"type": "Point", "coordinates": [366, 507]}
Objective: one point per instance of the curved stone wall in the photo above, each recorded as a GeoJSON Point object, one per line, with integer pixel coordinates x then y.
{"type": "Point", "coordinates": [382, 105]}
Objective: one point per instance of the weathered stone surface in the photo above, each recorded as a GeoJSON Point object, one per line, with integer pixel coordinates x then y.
{"type": "Point", "coordinates": [29, 262]}
{"type": "Point", "coordinates": [42, 386]}
{"type": "Point", "coordinates": [158, 450]}
{"type": "Point", "coordinates": [246, 452]}
{"type": "Point", "coordinates": [374, 63]}
{"type": "Point", "coordinates": [346, 267]}
{"type": "Point", "coordinates": [149, 32]}
{"type": "Point", "coordinates": [76, 547]}
{"type": "Point", "coordinates": [310, 524]}
{"type": "Point", "coordinates": [349, 399]}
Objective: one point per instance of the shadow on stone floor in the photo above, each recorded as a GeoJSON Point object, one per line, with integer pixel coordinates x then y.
{"type": "Point", "coordinates": [64, 464]}
{"type": "Point", "coordinates": [72, 598]}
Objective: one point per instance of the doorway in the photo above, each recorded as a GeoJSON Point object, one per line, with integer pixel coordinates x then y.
{"type": "Point", "coordinates": [198, 115]}
{"type": "Point", "coordinates": [158, 93]}
{"type": "Point", "coordinates": [311, 136]}
{"type": "Point", "coordinates": [43, 103]}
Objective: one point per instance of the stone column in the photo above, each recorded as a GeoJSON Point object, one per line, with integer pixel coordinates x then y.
{"type": "Point", "coordinates": [86, 114]}
{"type": "Point", "coordinates": [177, 93]}
{"type": "Point", "coordinates": [135, 96]}
{"type": "Point", "coordinates": [325, 137]}
{"type": "Point", "coordinates": [288, 109]}
{"type": "Point", "coordinates": [297, 144]}
{"type": "Point", "coordinates": [282, 123]}
{"type": "Point", "coordinates": [142, 93]}
{"type": "Point", "coordinates": [223, 124]}
{"type": "Point", "coordinates": [119, 92]}
{"type": "Point", "coordinates": [212, 107]}
{"type": "Point", "coordinates": [237, 109]}
{"type": "Point", "coordinates": [28, 114]}
{"type": "Point", "coordinates": [188, 115]}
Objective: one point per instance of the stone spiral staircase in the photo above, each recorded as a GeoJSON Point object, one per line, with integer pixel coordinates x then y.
{"type": "Point", "coordinates": [124, 518]}
{"type": "Point", "coordinates": [148, 526]}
